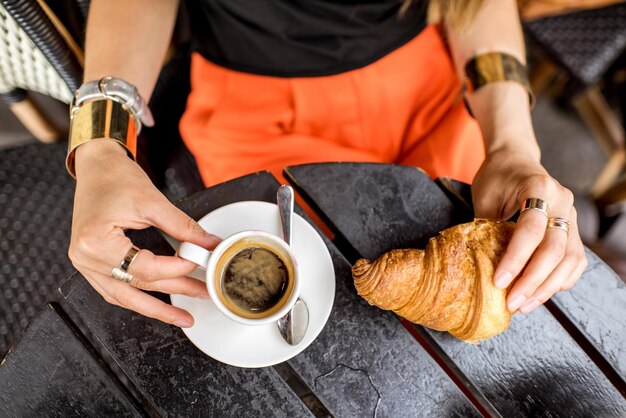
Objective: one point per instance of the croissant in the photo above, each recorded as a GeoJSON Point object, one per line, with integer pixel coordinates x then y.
{"type": "Point", "coordinates": [446, 287]}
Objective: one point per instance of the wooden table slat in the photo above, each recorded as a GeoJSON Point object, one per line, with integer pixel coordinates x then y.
{"type": "Point", "coordinates": [597, 306]}
{"type": "Point", "coordinates": [49, 372]}
{"type": "Point", "coordinates": [534, 367]}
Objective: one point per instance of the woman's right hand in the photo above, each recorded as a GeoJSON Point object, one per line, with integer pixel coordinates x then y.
{"type": "Point", "coordinates": [113, 194]}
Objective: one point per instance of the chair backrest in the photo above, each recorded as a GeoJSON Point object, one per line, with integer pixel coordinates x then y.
{"type": "Point", "coordinates": [33, 54]}
{"type": "Point", "coordinates": [585, 43]}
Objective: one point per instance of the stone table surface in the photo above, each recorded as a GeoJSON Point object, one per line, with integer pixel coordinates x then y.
{"type": "Point", "coordinates": [89, 358]}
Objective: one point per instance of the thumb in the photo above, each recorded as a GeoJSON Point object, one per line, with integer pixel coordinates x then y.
{"type": "Point", "coordinates": [177, 224]}
{"type": "Point", "coordinates": [485, 205]}
{"type": "Point", "coordinates": [491, 207]}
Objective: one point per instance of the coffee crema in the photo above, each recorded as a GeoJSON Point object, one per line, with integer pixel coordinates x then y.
{"type": "Point", "coordinates": [255, 281]}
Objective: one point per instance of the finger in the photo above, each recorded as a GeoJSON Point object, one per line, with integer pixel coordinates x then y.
{"type": "Point", "coordinates": [179, 225]}
{"type": "Point", "coordinates": [575, 257]}
{"type": "Point", "coordinates": [178, 286]}
{"type": "Point", "coordinates": [545, 259]}
{"type": "Point", "coordinates": [582, 262]}
{"type": "Point", "coordinates": [571, 266]}
{"type": "Point", "coordinates": [552, 285]}
{"type": "Point", "coordinates": [576, 275]}
{"type": "Point", "coordinates": [530, 230]}
{"type": "Point", "coordinates": [148, 267]}
{"type": "Point", "coordinates": [145, 267]}
{"type": "Point", "coordinates": [563, 278]}
{"type": "Point", "coordinates": [136, 300]}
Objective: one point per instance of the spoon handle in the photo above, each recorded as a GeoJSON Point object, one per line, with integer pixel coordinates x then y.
{"type": "Point", "coordinates": [284, 196]}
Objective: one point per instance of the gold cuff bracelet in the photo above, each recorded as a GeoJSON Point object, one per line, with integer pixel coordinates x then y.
{"type": "Point", "coordinates": [101, 119]}
{"type": "Point", "coordinates": [497, 66]}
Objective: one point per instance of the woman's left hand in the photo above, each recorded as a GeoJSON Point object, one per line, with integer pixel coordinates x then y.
{"type": "Point", "coordinates": [545, 259]}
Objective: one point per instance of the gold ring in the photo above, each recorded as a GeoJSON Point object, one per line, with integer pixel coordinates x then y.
{"type": "Point", "coordinates": [559, 223]}
{"type": "Point", "coordinates": [535, 203]}
{"type": "Point", "coordinates": [119, 274]}
{"type": "Point", "coordinates": [129, 258]}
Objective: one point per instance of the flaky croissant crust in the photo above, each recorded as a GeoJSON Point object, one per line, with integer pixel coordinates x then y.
{"type": "Point", "coordinates": [446, 287]}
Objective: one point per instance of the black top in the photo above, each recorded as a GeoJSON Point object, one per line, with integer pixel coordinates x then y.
{"type": "Point", "coordinates": [299, 38]}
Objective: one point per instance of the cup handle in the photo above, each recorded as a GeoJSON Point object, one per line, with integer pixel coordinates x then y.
{"type": "Point", "coordinates": [194, 253]}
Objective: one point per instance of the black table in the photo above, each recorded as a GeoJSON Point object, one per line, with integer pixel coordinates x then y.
{"type": "Point", "coordinates": [83, 357]}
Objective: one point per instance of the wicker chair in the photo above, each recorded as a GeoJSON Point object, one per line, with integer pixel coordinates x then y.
{"type": "Point", "coordinates": [583, 45]}
{"type": "Point", "coordinates": [37, 53]}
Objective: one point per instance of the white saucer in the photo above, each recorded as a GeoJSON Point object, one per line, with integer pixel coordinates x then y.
{"type": "Point", "coordinates": [260, 346]}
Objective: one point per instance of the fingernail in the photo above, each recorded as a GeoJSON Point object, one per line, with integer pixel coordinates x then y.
{"type": "Point", "coordinates": [516, 302]}
{"type": "Point", "coordinates": [204, 296]}
{"type": "Point", "coordinates": [183, 323]}
{"type": "Point", "coordinates": [529, 306]}
{"type": "Point", "coordinates": [503, 279]}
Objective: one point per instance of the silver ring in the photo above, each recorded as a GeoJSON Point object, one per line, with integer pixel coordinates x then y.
{"type": "Point", "coordinates": [119, 274]}
{"type": "Point", "coordinates": [559, 223]}
{"type": "Point", "coordinates": [129, 258]}
{"type": "Point", "coordinates": [536, 204]}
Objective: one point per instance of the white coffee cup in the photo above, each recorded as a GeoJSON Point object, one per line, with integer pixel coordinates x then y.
{"type": "Point", "coordinates": [215, 262]}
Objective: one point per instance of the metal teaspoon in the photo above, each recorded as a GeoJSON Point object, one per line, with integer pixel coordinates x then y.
{"type": "Point", "coordinates": [293, 325]}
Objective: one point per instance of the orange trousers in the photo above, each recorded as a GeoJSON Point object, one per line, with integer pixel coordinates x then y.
{"type": "Point", "coordinates": [405, 108]}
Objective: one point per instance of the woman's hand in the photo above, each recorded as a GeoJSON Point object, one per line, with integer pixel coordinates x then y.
{"type": "Point", "coordinates": [112, 194]}
{"type": "Point", "coordinates": [545, 259]}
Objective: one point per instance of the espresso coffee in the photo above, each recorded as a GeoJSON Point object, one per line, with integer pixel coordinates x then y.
{"type": "Point", "coordinates": [254, 280]}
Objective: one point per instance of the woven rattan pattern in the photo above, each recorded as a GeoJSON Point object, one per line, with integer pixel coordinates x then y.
{"type": "Point", "coordinates": [585, 43]}
{"type": "Point", "coordinates": [30, 16]}
{"type": "Point", "coordinates": [36, 195]}
{"type": "Point", "coordinates": [23, 65]}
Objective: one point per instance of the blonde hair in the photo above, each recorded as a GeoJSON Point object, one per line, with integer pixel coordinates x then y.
{"type": "Point", "coordinates": [455, 13]}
